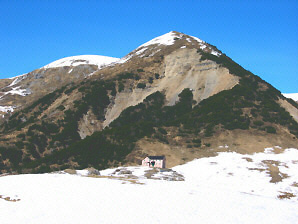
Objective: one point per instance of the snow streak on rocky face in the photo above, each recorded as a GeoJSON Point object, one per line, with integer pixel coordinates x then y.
{"type": "Point", "coordinates": [14, 90]}
{"type": "Point", "coordinates": [17, 79]}
{"type": "Point", "coordinates": [98, 60]}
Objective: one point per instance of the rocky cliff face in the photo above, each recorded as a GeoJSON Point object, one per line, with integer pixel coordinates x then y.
{"type": "Point", "coordinates": [180, 69]}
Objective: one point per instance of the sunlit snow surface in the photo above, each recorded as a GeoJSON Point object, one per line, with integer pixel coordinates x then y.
{"type": "Point", "coordinates": [228, 188]}
{"type": "Point", "coordinates": [6, 109]}
{"type": "Point", "coordinates": [293, 96]}
{"type": "Point", "coordinates": [98, 60]}
{"type": "Point", "coordinates": [166, 39]}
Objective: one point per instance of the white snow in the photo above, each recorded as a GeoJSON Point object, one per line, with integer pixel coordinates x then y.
{"type": "Point", "coordinates": [141, 51]}
{"type": "Point", "coordinates": [293, 96]}
{"type": "Point", "coordinates": [18, 76]}
{"type": "Point", "coordinates": [98, 60]}
{"type": "Point", "coordinates": [227, 188]}
{"type": "Point", "coordinates": [216, 53]}
{"type": "Point", "coordinates": [183, 47]}
{"type": "Point", "coordinates": [15, 90]}
{"type": "Point", "coordinates": [203, 47]}
{"type": "Point", "coordinates": [153, 53]}
{"type": "Point", "coordinates": [6, 109]}
{"type": "Point", "coordinates": [18, 91]}
{"type": "Point", "coordinates": [17, 79]}
{"type": "Point", "coordinates": [198, 40]}
{"type": "Point", "coordinates": [269, 150]}
{"type": "Point", "coordinates": [82, 172]}
{"type": "Point", "coordinates": [124, 59]}
{"type": "Point", "coordinates": [166, 39]}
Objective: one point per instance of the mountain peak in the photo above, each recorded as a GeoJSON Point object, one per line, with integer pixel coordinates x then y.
{"type": "Point", "coordinates": [166, 39]}
{"type": "Point", "coordinates": [169, 39]}
{"type": "Point", "coordinates": [172, 38]}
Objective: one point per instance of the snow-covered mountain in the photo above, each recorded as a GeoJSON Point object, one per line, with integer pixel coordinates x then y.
{"type": "Point", "coordinates": [190, 97]}
{"type": "Point", "coordinates": [174, 95]}
{"type": "Point", "coordinates": [229, 188]}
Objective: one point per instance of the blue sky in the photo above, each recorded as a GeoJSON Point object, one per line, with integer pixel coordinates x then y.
{"type": "Point", "coordinates": [262, 36]}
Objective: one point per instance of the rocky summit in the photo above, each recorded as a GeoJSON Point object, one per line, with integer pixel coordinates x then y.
{"type": "Point", "coordinates": [175, 95]}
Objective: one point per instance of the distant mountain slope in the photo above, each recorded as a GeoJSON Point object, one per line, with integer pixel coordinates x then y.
{"type": "Point", "coordinates": [19, 91]}
{"type": "Point", "coordinates": [175, 95]}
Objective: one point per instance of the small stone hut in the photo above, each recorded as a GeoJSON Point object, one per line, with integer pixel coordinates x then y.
{"type": "Point", "coordinates": [154, 161]}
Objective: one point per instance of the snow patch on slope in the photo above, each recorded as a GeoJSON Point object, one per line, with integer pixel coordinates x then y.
{"type": "Point", "coordinates": [197, 39]}
{"type": "Point", "coordinates": [141, 51]}
{"type": "Point", "coordinates": [124, 59]}
{"type": "Point", "coordinates": [18, 91]}
{"type": "Point", "coordinates": [7, 109]}
{"type": "Point", "coordinates": [166, 39]}
{"type": "Point", "coordinates": [203, 45]}
{"type": "Point", "coordinates": [18, 76]}
{"type": "Point", "coordinates": [17, 79]}
{"type": "Point", "coordinates": [216, 53]}
{"type": "Point", "coordinates": [98, 60]}
{"type": "Point", "coordinates": [293, 96]}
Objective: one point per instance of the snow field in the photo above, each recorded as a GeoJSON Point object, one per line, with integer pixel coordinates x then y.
{"type": "Point", "coordinates": [221, 189]}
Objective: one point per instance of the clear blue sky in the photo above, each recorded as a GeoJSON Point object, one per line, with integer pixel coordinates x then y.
{"type": "Point", "coordinates": [262, 36]}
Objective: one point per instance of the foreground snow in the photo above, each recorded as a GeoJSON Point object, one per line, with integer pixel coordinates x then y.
{"type": "Point", "coordinates": [229, 188]}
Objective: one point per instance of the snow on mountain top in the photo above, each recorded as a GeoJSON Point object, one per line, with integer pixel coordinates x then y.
{"type": "Point", "coordinates": [98, 60]}
{"type": "Point", "coordinates": [166, 39]}
{"type": "Point", "coordinates": [293, 96]}
{"type": "Point", "coordinates": [169, 39]}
